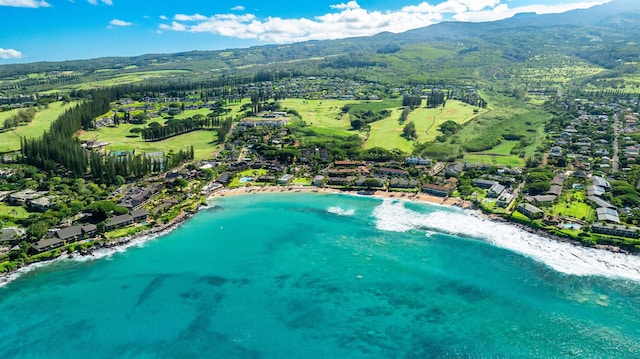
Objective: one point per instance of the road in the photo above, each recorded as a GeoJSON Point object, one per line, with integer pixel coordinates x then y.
{"type": "Point", "coordinates": [616, 147]}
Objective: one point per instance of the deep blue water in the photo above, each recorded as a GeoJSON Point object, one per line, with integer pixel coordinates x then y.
{"type": "Point", "coordinates": [329, 276]}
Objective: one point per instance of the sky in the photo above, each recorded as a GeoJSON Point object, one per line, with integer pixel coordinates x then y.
{"type": "Point", "coordinates": [54, 30]}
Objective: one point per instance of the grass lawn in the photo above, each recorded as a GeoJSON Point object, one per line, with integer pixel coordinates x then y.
{"type": "Point", "coordinates": [13, 211]}
{"type": "Point", "coordinates": [513, 161]}
{"type": "Point", "coordinates": [120, 138]}
{"type": "Point", "coordinates": [253, 173]}
{"type": "Point", "coordinates": [10, 140]}
{"type": "Point", "coordinates": [576, 208]}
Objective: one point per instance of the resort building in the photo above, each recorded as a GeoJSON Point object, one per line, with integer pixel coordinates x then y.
{"type": "Point", "coordinates": [433, 189]}
{"type": "Point", "coordinates": [599, 181]}
{"type": "Point", "coordinates": [530, 211]}
{"type": "Point", "coordinates": [616, 230]}
{"type": "Point", "coordinates": [484, 183]}
{"type": "Point", "coordinates": [607, 215]}
{"type": "Point", "coordinates": [285, 179]}
{"type": "Point", "coordinates": [600, 203]}
{"type": "Point", "coordinates": [48, 244]}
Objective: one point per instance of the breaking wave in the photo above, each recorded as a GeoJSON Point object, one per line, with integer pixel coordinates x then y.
{"type": "Point", "coordinates": [340, 211]}
{"type": "Point", "coordinates": [562, 257]}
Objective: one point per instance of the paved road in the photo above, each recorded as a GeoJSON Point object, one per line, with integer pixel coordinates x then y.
{"type": "Point", "coordinates": [616, 148]}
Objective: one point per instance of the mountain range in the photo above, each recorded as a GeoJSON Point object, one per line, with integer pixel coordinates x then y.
{"type": "Point", "coordinates": [603, 36]}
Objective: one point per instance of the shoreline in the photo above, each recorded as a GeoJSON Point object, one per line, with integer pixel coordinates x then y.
{"type": "Point", "coordinates": [155, 232]}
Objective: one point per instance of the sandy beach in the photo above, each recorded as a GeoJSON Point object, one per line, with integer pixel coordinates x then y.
{"type": "Point", "coordinates": [418, 197]}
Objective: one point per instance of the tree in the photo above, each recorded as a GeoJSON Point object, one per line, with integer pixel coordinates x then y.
{"type": "Point", "coordinates": [37, 231]}
{"type": "Point", "coordinates": [409, 131]}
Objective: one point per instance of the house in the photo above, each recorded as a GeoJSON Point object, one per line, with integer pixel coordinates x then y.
{"type": "Point", "coordinates": [89, 230]}
{"type": "Point", "coordinates": [341, 181]}
{"type": "Point", "coordinates": [542, 199]}
{"type": "Point", "coordinates": [285, 179]}
{"type": "Point", "coordinates": [505, 199]}
{"type": "Point", "coordinates": [606, 214]}
{"type": "Point", "coordinates": [348, 163]}
{"type": "Point", "coordinates": [484, 183]}
{"type": "Point", "coordinates": [595, 191]}
{"type": "Point", "coordinates": [436, 190]}
{"type": "Point", "coordinates": [371, 182]}
{"type": "Point", "coordinates": [48, 244]}
{"type": "Point", "coordinates": [616, 230]}
{"type": "Point", "coordinates": [341, 172]}
{"type": "Point", "coordinates": [72, 233]}
{"type": "Point", "coordinates": [556, 151]}
{"type": "Point", "coordinates": [599, 181]}
{"type": "Point", "coordinates": [11, 234]}
{"type": "Point", "coordinates": [496, 190]}
{"type": "Point", "coordinates": [118, 221]}
{"type": "Point", "coordinates": [555, 190]}
{"type": "Point", "coordinates": [223, 178]}
{"type": "Point", "coordinates": [454, 170]}
{"type": "Point", "coordinates": [418, 161]}
{"type": "Point", "coordinates": [140, 215]}
{"type": "Point", "coordinates": [41, 204]}
{"type": "Point", "coordinates": [266, 179]}
{"type": "Point", "coordinates": [600, 203]}
{"type": "Point", "coordinates": [530, 211]}
{"type": "Point", "coordinates": [318, 180]}
{"type": "Point", "coordinates": [392, 171]}
{"type": "Point", "coordinates": [403, 183]}
{"type": "Point", "coordinates": [23, 197]}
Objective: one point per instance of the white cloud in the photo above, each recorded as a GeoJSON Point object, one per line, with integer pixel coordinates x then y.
{"type": "Point", "coordinates": [117, 22]}
{"type": "Point", "coordinates": [350, 19]}
{"type": "Point", "coordinates": [25, 3]}
{"type": "Point", "coordinates": [10, 54]}
{"type": "Point", "coordinates": [162, 17]}
{"type": "Point", "coordinates": [95, 2]}
{"type": "Point", "coordinates": [350, 5]}
{"type": "Point", "coordinates": [503, 11]}
{"type": "Point", "coordinates": [237, 8]}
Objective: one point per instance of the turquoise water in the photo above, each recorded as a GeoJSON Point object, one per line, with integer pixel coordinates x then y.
{"type": "Point", "coordinates": [322, 276]}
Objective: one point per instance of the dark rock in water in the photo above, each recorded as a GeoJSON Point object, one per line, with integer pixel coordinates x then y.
{"type": "Point", "coordinates": [213, 208]}
{"type": "Point", "coordinates": [215, 281]}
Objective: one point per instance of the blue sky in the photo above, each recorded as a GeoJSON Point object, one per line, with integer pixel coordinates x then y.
{"type": "Point", "coordinates": [52, 30]}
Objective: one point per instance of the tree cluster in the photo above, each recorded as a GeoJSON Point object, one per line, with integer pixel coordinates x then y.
{"type": "Point", "coordinates": [22, 117]}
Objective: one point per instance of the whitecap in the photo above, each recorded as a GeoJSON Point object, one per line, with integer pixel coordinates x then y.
{"type": "Point", "coordinates": [341, 211]}
{"type": "Point", "coordinates": [560, 256]}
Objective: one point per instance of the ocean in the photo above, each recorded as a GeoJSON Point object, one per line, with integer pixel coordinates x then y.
{"type": "Point", "coordinates": [307, 275]}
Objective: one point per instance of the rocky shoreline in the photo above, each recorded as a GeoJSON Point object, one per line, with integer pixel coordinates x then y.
{"type": "Point", "coordinates": [154, 232]}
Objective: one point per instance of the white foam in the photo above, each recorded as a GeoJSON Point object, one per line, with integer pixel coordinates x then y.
{"type": "Point", "coordinates": [562, 257]}
{"type": "Point", "coordinates": [340, 211]}
{"type": "Point", "coordinates": [100, 253]}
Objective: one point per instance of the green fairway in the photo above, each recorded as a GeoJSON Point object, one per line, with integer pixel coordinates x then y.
{"type": "Point", "coordinates": [428, 120]}
{"type": "Point", "coordinates": [10, 140]}
{"type": "Point", "coordinates": [120, 138]}
{"type": "Point", "coordinates": [325, 114]}
{"type": "Point", "coordinates": [387, 134]}
{"type": "Point", "coordinates": [499, 156]}
{"type": "Point", "coordinates": [124, 79]}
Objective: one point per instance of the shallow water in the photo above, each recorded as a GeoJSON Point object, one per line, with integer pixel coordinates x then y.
{"type": "Point", "coordinates": [319, 275]}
